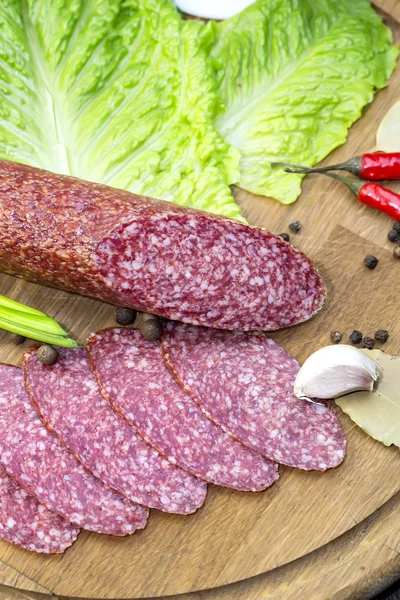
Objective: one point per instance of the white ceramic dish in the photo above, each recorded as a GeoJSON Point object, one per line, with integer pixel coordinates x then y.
{"type": "Point", "coordinates": [213, 9]}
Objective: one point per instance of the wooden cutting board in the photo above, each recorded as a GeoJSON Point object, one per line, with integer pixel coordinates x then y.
{"type": "Point", "coordinates": [238, 535]}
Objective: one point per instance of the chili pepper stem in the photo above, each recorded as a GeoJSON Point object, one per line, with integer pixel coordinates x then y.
{"type": "Point", "coordinates": [354, 166]}
{"type": "Point", "coordinates": [354, 185]}
{"type": "Point", "coordinates": [368, 192]}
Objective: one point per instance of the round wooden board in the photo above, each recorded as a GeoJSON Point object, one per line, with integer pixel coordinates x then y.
{"type": "Point", "coordinates": [237, 535]}
{"type": "Point", "coordinates": [357, 565]}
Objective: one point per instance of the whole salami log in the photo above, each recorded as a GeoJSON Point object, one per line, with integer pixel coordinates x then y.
{"type": "Point", "coordinates": [132, 375]}
{"type": "Point", "coordinates": [244, 382]}
{"type": "Point", "coordinates": [28, 524]}
{"type": "Point", "coordinates": [101, 440]}
{"type": "Point", "coordinates": [33, 456]}
{"type": "Point", "coordinates": [151, 255]}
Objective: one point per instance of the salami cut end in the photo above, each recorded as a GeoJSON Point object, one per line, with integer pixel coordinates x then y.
{"type": "Point", "coordinates": [209, 271]}
{"type": "Point", "coordinates": [244, 382]}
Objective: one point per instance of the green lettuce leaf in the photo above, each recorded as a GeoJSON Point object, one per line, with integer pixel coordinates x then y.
{"type": "Point", "coordinates": [294, 75]}
{"type": "Point", "coordinates": [115, 91]}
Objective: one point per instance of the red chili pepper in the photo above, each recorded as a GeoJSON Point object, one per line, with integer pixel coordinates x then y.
{"type": "Point", "coordinates": [369, 193]}
{"type": "Point", "coordinates": [380, 166]}
{"type": "Point", "coordinates": [368, 166]}
{"type": "Point", "coordinates": [379, 197]}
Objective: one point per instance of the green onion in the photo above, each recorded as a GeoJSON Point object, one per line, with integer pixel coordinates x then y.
{"type": "Point", "coordinates": [8, 303]}
{"type": "Point", "coordinates": [33, 324]}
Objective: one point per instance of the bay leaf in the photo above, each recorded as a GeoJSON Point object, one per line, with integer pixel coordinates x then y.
{"type": "Point", "coordinates": [378, 412]}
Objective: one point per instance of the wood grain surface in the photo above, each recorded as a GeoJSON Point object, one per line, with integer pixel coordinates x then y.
{"type": "Point", "coordinates": [239, 535]}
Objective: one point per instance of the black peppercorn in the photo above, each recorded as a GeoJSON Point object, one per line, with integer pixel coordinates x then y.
{"type": "Point", "coordinates": [47, 354]}
{"type": "Point", "coordinates": [396, 252]}
{"type": "Point", "coordinates": [394, 236]}
{"type": "Point", "coordinates": [370, 261]}
{"type": "Point", "coordinates": [124, 316]}
{"type": "Point", "coordinates": [396, 226]}
{"type": "Point", "coordinates": [336, 337]}
{"type": "Point", "coordinates": [295, 226]}
{"type": "Point", "coordinates": [284, 236]}
{"type": "Point", "coordinates": [381, 335]}
{"type": "Point", "coordinates": [368, 342]}
{"type": "Point", "coordinates": [356, 337]}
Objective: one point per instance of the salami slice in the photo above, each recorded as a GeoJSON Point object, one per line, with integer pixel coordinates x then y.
{"type": "Point", "coordinates": [151, 255]}
{"type": "Point", "coordinates": [28, 524]}
{"type": "Point", "coordinates": [244, 382]}
{"type": "Point", "coordinates": [35, 458]}
{"type": "Point", "coordinates": [101, 440]}
{"type": "Point", "coordinates": [133, 377]}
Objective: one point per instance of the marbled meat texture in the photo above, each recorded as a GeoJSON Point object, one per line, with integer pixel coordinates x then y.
{"type": "Point", "coordinates": [132, 375]}
{"type": "Point", "coordinates": [33, 456]}
{"type": "Point", "coordinates": [68, 400]}
{"type": "Point", "coordinates": [244, 382]}
{"type": "Point", "coordinates": [151, 255]}
{"type": "Point", "coordinates": [28, 524]}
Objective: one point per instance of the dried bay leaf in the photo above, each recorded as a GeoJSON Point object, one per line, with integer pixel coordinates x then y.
{"type": "Point", "coordinates": [378, 412]}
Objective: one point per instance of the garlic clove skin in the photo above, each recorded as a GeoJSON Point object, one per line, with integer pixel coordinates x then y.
{"type": "Point", "coordinates": [334, 371]}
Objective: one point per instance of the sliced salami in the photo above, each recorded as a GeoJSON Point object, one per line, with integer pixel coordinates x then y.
{"type": "Point", "coordinates": [155, 256]}
{"type": "Point", "coordinates": [28, 524]}
{"type": "Point", "coordinates": [244, 382]}
{"type": "Point", "coordinates": [35, 458]}
{"type": "Point", "coordinates": [101, 440]}
{"type": "Point", "coordinates": [133, 377]}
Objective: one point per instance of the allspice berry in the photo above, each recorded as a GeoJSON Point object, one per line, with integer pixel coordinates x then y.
{"type": "Point", "coordinates": [152, 329]}
{"type": "Point", "coordinates": [47, 354]}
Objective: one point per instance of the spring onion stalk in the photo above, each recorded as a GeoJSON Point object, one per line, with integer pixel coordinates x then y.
{"type": "Point", "coordinates": [33, 324]}
{"type": "Point", "coordinates": [8, 303]}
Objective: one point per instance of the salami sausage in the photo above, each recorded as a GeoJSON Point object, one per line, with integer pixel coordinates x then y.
{"type": "Point", "coordinates": [133, 377]}
{"type": "Point", "coordinates": [101, 440]}
{"type": "Point", "coordinates": [28, 524]}
{"type": "Point", "coordinates": [154, 256]}
{"type": "Point", "coordinates": [244, 382]}
{"type": "Point", "coordinates": [35, 458]}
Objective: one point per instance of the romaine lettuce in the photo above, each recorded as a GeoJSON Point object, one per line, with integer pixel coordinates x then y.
{"type": "Point", "coordinates": [127, 93]}
{"type": "Point", "coordinates": [116, 91]}
{"type": "Point", "coordinates": [294, 75]}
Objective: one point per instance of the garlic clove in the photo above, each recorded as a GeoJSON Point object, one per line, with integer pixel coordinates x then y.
{"type": "Point", "coordinates": [334, 371]}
